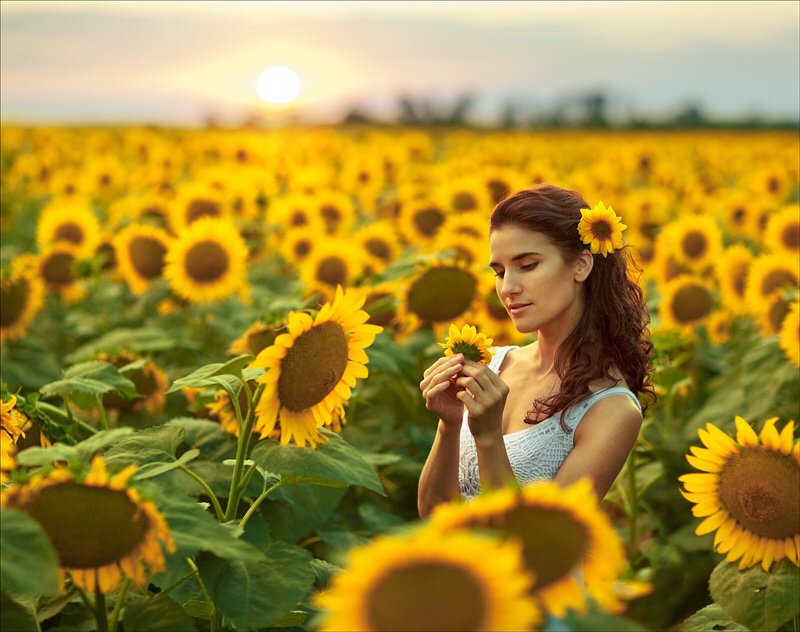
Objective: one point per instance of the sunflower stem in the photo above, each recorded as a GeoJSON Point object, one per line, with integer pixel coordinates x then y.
{"type": "Point", "coordinates": [101, 616]}
{"type": "Point", "coordinates": [257, 502]}
{"type": "Point", "coordinates": [123, 589]}
{"type": "Point", "coordinates": [102, 411]}
{"type": "Point", "coordinates": [241, 454]}
{"type": "Point", "coordinates": [248, 475]}
{"type": "Point", "coordinates": [207, 489]}
{"type": "Point", "coordinates": [213, 613]}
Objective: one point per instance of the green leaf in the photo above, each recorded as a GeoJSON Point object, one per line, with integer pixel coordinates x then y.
{"type": "Point", "coordinates": [15, 617]}
{"type": "Point", "coordinates": [155, 469]}
{"type": "Point", "coordinates": [30, 564]}
{"type": "Point", "coordinates": [592, 621]}
{"type": "Point", "coordinates": [711, 617]}
{"type": "Point", "coordinates": [334, 463]}
{"type": "Point", "coordinates": [293, 512]}
{"type": "Point", "coordinates": [155, 444]}
{"type": "Point", "coordinates": [197, 609]}
{"type": "Point", "coordinates": [758, 600]}
{"type": "Point", "coordinates": [141, 340]}
{"type": "Point", "coordinates": [156, 614]}
{"type": "Point", "coordinates": [290, 620]}
{"type": "Point", "coordinates": [85, 381]}
{"type": "Point", "coordinates": [220, 374]}
{"type": "Point", "coordinates": [257, 593]}
{"type": "Point", "coordinates": [81, 451]}
{"type": "Point", "coordinates": [214, 443]}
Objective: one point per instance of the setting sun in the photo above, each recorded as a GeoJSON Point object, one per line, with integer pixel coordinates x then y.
{"type": "Point", "coordinates": [278, 85]}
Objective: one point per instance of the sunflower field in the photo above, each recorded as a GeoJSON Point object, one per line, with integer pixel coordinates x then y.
{"type": "Point", "coordinates": [212, 343]}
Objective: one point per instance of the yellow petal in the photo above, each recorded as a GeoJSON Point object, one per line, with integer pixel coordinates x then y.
{"type": "Point", "coordinates": [702, 464]}
{"type": "Point", "coordinates": [787, 438]}
{"type": "Point", "coordinates": [745, 433]}
{"type": "Point", "coordinates": [711, 523]}
{"type": "Point", "coordinates": [770, 438]}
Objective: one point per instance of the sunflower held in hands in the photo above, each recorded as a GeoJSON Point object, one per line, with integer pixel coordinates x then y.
{"type": "Point", "coordinates": [468, 341]}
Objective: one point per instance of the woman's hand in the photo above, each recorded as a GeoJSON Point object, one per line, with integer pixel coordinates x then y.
{"type": "Point", "coordinates": [484, 397]}
{"type": "Point", "coordinates": [440, 391]}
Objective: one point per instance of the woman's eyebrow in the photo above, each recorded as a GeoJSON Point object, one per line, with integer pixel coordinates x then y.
{"type": "Point", "coordinates": [492, 264]}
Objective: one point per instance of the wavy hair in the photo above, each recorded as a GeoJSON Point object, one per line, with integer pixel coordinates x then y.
{"type": "Point", "coordinates": [612, 332]}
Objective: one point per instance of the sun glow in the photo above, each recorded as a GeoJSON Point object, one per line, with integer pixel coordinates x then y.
{"type": "Point", "coordinates": [278, 85]}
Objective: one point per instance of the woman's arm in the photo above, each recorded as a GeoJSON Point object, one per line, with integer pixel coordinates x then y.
{"type": "Point", "coordinates": [603, 441]}
{"type": "Point", "coordinates": [438, 482]}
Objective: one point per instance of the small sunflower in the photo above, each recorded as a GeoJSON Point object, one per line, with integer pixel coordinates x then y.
{"type": "Point", "coordinates": [562, 530]}
{"type": "Point", "coordinates": [790, 334]}
{"type": "Point", "coordinates": [21, 297]}
{"type": "Point", "coordinates": [718, 326]}
{"type": "Point", "coordinates": [255, 339]}
{"type": "Point", "coordinates": [311, 369]}
{"type": "Point", "coordinates": [686, 301]}
{"type": "Point", "coordinates": [295, 210]}
{"type": "Point", "coordinates": [464, 195]}
{"type": "Point", "coordinates": [336, 210]}
{"type": "Point", "coordinates": [332, 262]}
{"type": "Point", "coordinates": [771, 313]}
{"type": "Point", "coordinates": [72, 222]}
{"type": "Point", "coordinates": [782, 235]}
{"type": "Point", "coordinates": [696, 240]}
{"type": "Point", "coordinates": [747, 492]}
{"type": "Point", "coordinates": [420, 221]}
{"type": "Point", "coordinates": [56, 270]}
{"type": "Point", "coordinates": [431, 581]}
{"type": "Point", "coordinates": [194, 201]}
{"type": "Point", "coordinates": [297, 244]}
{"type": "Point", "coordinates": [770, 274]}
{"type": "Point", "coordinates": [150, 382]}
{"type": "Point", "coordinates": [23, 432]}
{"type": "Point", "coordinates": [207, 261]}
{"type": "Point", "coordinates": [99, 526]}
{"type": "Point", "coordinates": [379, 242]}
{"type": "Point", "coordinates": [380, 302]}
{"type": "Point", "coordinates": [141, 251]}
{"type": "Point", "coordinates": [601, 228]}
{"type": "Point", "coordinates": [732, 269]}
{"type": "Point", "coordinates": [223, 410]}
{"type": "Point", "coordinates": [467, 340]}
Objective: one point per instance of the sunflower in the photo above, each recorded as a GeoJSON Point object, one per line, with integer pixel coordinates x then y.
{"type": "Point", "coordinates": [207, 261]}
{"type": "Point", "coordinates": [296, 245]}
{"type": "Point", "coordinates": [100, 527]}
{"type": "Point", "coordinates": [562, 530]}
{"type": "Point", "coordinates": [295, 210]}
{"type": "Point", "coordinates": [420, 220]}
{"type": "Point", "coordinates": [783, 232]}
{"type": "Point", "coordinates": [501, 182]}
{"type": "Point", "coordinates": [467, 340]}
{"type": "Point", "coordinates": [686, 301]}
{"type": "Point", "coordinates": [150, 382]}
{"type": "Point", "coordinates": [255, 339]}
{"type": "Point", "coordinates": [194, 201]}
{"type": "Point", "coordinates": [223, 410]}
{"type": "Point", "coordinates": [56, 271]}
{"type": "Point", "coordinates": [336, 210]}
{"type": "Point", "coordinates": [8, 461]}
{"type": "Point", "coordinates": [141, 251]}
{"type": "Point", "coordinates": [311, 369]}
{"type": "Point", "coordinates": [431, 581]}
{"type": "Point", "coordinates": [771, 312]}
{"type": "Point", "coordinates": [379, 242]}
{"type": "Point", "coordinates": [789, 340]}
{"type": "Point", "coordinates": [770, 274]}
{"type": "Point", "coordinates": [747, 492]}
{"type": "Point", "coordinates": [332, 262]}
{"type": "Point", "coordinates": [21, 297]}
{"type": "Point", "coordinates": [732, 269]}
{"type": "Point", "coordinates": [696, 240]}
{"type": "Point", "coordinates": [73, 222]}
{"type": "Point", "coordinates": [718, 326]}
{"type": "Point", "coordinates": [439, 294]}
{"type": "Point", "coordinates": [463, 195]}
{"type": "Point", "coordinates": [601, 229]}
{"type": "Point", "coordinates": [739, 211]}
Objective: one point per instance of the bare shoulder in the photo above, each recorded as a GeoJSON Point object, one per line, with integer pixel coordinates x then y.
{"type": "Point", "coordinates": [613, 418]}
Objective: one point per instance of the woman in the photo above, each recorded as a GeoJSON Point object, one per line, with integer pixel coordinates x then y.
{"type": "Point", "coordinates": [564, 406]}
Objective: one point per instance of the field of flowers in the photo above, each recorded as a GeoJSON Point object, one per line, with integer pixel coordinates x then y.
{"type": "Point", "coordinates": [212, 342]}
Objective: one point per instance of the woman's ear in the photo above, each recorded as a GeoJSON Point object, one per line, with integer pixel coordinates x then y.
{"type": "Point", "coordinates": [583, 265]}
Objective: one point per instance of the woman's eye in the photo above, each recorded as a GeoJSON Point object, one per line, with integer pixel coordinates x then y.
{"type": "Point", "coordinates": [499, 275]}
{"type": "Point", "coordinates": [529, 266]}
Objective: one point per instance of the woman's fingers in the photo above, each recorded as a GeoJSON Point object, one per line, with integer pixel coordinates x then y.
{"type": "Point", "coordinates": [444, 368]}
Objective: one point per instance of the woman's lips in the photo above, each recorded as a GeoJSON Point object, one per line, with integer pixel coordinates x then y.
{"type": "Point", "coordinates": [516, 311]}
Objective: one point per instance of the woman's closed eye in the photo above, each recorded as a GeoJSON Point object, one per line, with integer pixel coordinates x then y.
{"type": "Point", "coordinates": [527, 267]}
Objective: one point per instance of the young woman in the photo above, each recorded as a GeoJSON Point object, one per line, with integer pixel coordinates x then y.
{"type": "Point", "coordinates": [566, 405]}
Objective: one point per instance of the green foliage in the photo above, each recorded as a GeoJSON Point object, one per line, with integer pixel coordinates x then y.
{"type": "Point", "coordinates": [711, 617]}
{"type": "Point", "coordinates": [87, 381]}
{"type": "Point", "coordinates": [156, 614]}
{"type": "Point", "coordinates": [30, 564]}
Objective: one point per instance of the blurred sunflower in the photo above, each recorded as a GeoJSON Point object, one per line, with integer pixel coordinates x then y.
{"type": "Point", "coordinates": [771, 313]}
{"type": "Point", "coordinates": [790, 334]}
{"type": "Point", "coordinates": [333, 262]}
{"type": "Point", "coordinates": [72, 222]}
{"type": "Point", "coordinates": [311, 369]}
{"type": "Point", "coordinates": [770, 274]}
{"type": "Point", "coordinates": [696, 240]}
{"type": "Point", "coordinates": [141, 251]}
{"type": "Point", "coordinates": [146, 208]}
{"type": "Point", "coordinates": [431, 581]}
{"type": "Point", "coordinates": [782, 235]}
{"type": "Point", "coordinates": [718, 326]}
{"type": "Point", "coordinates": [686, 301]}
{"type": "Point", "coordinates": [380, 302]}
{"type": "Point", "coordinates": [103, 176]}
{"type": "Point", "coordinates": [732, 268]}
{"type": "Point", "coordinates": [255, 339]}
{"type": "Point", "coordinates": [150, 382]}
{"type": "Point", "coordinates": [601, 229]}
{"type": "Point", "coordinates": [379, 242]}
{"type": "Point", "coordinates": [362, 175]}
{"type": "Point", "coordinates": [21, 297]}
{"type": "Point", "coordinates": [99, 526]}
{"type": "Point", "coordinates": [223, 410]}
{"type": "Point", "coordinates": [562, 531]}
{"type": "Point", "coordinates": [24, 433]}
{"type": "Point", "coordinates": [194, 201]}
{"type": "Point", "coordinates": [770, 181]}
{"type": "Point", "coordinates": [463, 195]}
{"type": "Point", "coordinates": [295, 210]}
{"type": "Point", "coordinates": [747, 492]}
{"type": "Point", "coordinates": [207, 261]}
{"type": "Point", "coordinates": [56, 271]}
{"type": "Point", "coordinates": [420, 220]}
{"type": "Point", "coordinates": [501, 182]}
{"type": "Point", "coordinates": [739, 210]}
{"type": "Point", "coordinates": [336, 210]}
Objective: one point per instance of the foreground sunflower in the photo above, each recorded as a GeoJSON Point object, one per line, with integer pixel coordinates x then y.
{"type": "Point", "coordinates": [431, 581]}
{"type": "Point", "coordinates": [562, 531]}
{"type": "Point", "coordinates": [207, 261]}
{"type": "Point", "coordinates": [747, 492]}
{"type": "Point", "coordinates": [100, 527]}
{"type": "Point", "coordinates": [311, 369]}
{"type": "Point", "coordinates": [468, 341]}
{"type": "Point", "coordinates": [601, 229]}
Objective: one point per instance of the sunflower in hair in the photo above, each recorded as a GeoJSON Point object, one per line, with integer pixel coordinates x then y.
{"type": "Point", "coordinates": [601, 229]}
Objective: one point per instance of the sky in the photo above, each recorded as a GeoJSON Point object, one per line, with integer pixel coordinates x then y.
{"type": "Point", "coordinates": [182, 62]}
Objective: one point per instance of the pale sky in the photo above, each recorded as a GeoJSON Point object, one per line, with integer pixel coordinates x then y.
{"type": "Point", "coordinates": [176, 62]}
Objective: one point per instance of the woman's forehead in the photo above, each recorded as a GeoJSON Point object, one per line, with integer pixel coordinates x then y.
{"type": "Point", "coordinates": [512, 240]}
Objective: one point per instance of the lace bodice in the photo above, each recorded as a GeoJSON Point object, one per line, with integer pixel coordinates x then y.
{"type": "Point", "coordinates": [535, 452]}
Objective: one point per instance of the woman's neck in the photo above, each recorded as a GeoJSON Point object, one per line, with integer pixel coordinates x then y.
{"type": "Point", "coordinates": [550, 339]}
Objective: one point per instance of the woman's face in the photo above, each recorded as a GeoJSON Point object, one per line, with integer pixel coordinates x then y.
{"type": "Point", "coordinates": [537, 287]}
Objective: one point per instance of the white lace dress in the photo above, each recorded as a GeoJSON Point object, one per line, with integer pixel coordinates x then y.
{"type": "Point", "coordinates": [534, 453]}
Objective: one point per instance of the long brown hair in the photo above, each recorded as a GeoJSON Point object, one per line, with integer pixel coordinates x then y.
{"type": "Point", "coordinates": [612, 332]}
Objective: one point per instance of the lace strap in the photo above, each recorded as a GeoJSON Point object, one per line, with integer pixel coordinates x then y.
{"type": "Point", "coordinates": [497, 358]}
{"type": "Point", "coordinates": [578, 412]}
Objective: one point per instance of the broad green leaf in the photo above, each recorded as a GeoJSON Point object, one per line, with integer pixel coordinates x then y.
{"type": "Point", "coordinates": [257, 593]}
{"type": "Point", "coordinates": [207, 436]}
{"type": "Point", "coordinates": [333, 463]}
{"type": "Point", "coordinates": [219, 373]}
{"type": "Point", "coordinates": [141, 340]}
{"type": "Point", "coordinates": [711, 617]}
{"type": "Point", "coordinates": [43, 456]}
{"type": "Point", "coordinates": [156, 614]}
{"type": "Point", "coordinates": [15, 617]}
{"type": "Point", "coordinates": [291, 619]}
{"type": "Point", "coordinates": [197, 609]}
{"type": "Point", "coordinates": [295, 511]}
{"type": "Point", "coordinates": [85, 381]}
{"type": "Point", "coordinates": [154, 444]}
{"type": "Point", "coordinates": [758, 600]}
{"type": "Point", "coordinates": [323, 572]}
{"type": "Point", "coordinates": [155, 469]}
{"type": "Point", "coordinates": [30, 564]}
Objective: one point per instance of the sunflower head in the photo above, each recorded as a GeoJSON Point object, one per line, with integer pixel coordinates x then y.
{"type": "Point", "coordinates": [467, 340]}
{"type": "Point", "coordinates": [601, 228]}
{"type": "Point", "coordinates": [747, 492]}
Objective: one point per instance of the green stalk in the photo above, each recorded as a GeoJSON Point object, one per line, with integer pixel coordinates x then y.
{"type": "Point", "coordinates": [100, 614]}
{"type": "Point", "coordinates": [248, 475]}
{"type": "Point", "coordinates": [242, 447]}
{"type": "Point", "coordinates": [213, 613]}
{"type": "Point", "coordinates": [102, 410]}
{"type": "Point", "coordinates": [209, 492]}
{"type": "Point", "coordinates": [257, 502]}
{"type": "Point", "coordinates": [123, 589]}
